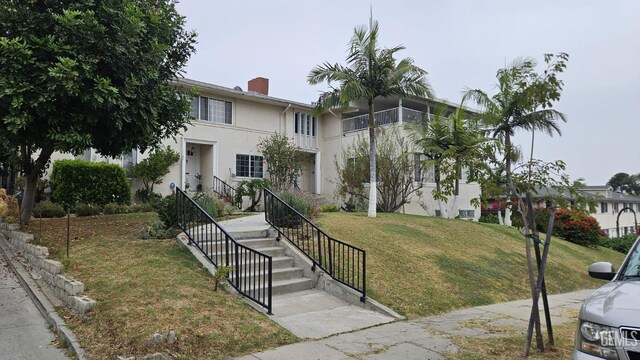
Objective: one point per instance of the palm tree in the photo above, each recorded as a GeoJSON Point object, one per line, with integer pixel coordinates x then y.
{"type": "Point", "coordinates": [515, 107]}
{"type": "Point", "coordinates": [448, 140]}
{"type": "Point", "coordinates": [370, 73]}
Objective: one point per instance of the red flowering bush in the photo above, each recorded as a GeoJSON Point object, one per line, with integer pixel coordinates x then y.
{"type": "Point", "coordinates": [577, 227]}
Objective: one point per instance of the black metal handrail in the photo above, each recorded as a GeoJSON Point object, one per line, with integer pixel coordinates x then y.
{"type": "Point", "coordinates": [226, 191]}
{"type": "Point", "coordinates": [343, 262]}
{"type": "Point", "coordinates": [252, 271]}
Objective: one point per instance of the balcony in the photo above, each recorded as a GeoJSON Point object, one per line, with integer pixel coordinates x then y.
{"type": "Point", "coordinates": [306, 142]}
{"type": "Point", "coordinates": [384, 117]}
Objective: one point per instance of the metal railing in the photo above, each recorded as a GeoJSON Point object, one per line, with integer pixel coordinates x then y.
{"type": "Point", "coordinates": [383, 117]}
{"type": "Point", "coordinates": [251, 271]}
{"type": "Point", "coordinates": [226, 191]}
{"type": "Point", "coordinates": [343, 262]}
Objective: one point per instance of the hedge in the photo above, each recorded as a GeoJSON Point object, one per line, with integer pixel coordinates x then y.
{"type": "Point", "coordinates": [83, 182]}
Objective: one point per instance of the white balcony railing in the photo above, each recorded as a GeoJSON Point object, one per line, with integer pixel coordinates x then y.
{"type": "Point", "coordinates": [306, 141]}
{"type": "Point", "coordinates": [384, 117]}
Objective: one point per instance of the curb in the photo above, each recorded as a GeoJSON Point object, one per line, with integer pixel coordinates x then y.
{"type": "Point", "coordinates": [42, 302]}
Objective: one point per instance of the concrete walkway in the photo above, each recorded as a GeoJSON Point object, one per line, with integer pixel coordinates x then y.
{"type": "Point", "coordinates": [312, 313]}
{"type": "Point", "coordinates": [429, 337]}
{"type": "Point", "coordinates": [24, 333]}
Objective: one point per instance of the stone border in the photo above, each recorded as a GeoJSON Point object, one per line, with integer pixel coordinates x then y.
{"type": "Point", "coordinates": [40, 300]}
{"type": "Point", "coordinates": [50, 271]}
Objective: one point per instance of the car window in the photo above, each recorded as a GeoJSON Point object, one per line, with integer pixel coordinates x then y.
{"type": "Point", "coordinates": [633, 266]}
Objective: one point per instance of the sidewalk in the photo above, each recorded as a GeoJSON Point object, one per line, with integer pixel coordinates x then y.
{"type": "Point", "coordinates": [24, 332]}
{"type": "Point", "coordinates": [426, 338]}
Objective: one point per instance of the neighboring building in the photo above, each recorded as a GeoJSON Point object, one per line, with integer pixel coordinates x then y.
{"type": "Point", "coordinates": [229, 123]}
{"type": "Point", "coordinates": [608, 207]}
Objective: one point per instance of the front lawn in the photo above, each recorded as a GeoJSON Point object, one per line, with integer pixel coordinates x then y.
{"type": "Point", "coordinates": [148, 286]}
{"type": "Point", "coordinates": [423, 266]}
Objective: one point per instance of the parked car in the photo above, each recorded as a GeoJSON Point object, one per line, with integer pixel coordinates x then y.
{"type": "Point", "coordinates": [609, 326]}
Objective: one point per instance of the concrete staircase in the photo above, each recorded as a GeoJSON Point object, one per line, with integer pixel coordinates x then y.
{"type": "Point", "coordinates": [286, 277]}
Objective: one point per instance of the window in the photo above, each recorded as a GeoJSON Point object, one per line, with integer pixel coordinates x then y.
{"type": "Point", "coordinates": [604, 207]}
{"type": "Point", "coordinates": [615, 207]}
{"type": "Point", "coordinates": [419, 166]}
{"type": "Point", "coordinates": [305, 124]}
{"type": "Point", "coordinates": [466, 214]}
{"type": "Point", "coordinates": [438, 213]}
{"type": "Point", "coordinates": [249, 166]}
{"type": "Point", "coordinates": [208, 109]}
{"type": "Point", "coordinates": [129, 159]}
{"type": "Point", "coordinates": [638, 207]}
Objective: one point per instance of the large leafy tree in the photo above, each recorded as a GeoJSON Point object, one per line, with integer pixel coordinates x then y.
{"type": "Point", "coordinates": [85, 73]}
{"type": "Point", "coordinates": [370, 72]}
{"type": "Point", "coordinates": [625, 183]}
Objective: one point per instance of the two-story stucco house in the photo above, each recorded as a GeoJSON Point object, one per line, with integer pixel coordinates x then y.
{"type": "Point", "coordinates": [228, 124]}
{"type": "Point", "coordinates": [615, 210]}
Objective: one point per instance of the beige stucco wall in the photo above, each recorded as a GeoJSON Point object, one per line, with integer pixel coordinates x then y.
{"type": "Point", "coordinates": [334, 143]}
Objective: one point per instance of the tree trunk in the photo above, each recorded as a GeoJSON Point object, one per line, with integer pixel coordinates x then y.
{"type": "Point", "coordinates": [507, 154]}
{"type": "Point", "coordinates": [373, 188]}
{"type": "Point", "coordinates": [500, 217]}
{"type": "Point", "coordinates": [507, 216]}
{"type": "Point", "coordinates": [32, 174]}
{"type": "Point", "coordinates": [11, 180]}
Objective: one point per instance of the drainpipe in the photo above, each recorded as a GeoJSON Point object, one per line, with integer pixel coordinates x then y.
{"type": "Point", "coordinates": [281, 119]}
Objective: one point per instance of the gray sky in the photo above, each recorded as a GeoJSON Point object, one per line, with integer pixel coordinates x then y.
{"type": "Point", "coordinates": [461, 44]}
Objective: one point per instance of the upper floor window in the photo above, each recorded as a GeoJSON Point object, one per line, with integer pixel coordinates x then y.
{"type": "Point", "coordinates": [249, 166]}
{"type": "Point", "coordinates": [604, 207]}
{"type": "Point", "coordinates": [615, 207]}
{"type": "Point", "coordinates": [209, 109]}
{"type": "Point", "coordinates": [305, 124]}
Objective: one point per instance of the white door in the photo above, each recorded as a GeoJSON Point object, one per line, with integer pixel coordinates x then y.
{"type": "Point", "coordinates": [192, 166]}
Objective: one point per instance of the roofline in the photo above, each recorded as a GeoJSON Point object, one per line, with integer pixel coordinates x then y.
{"type": "Point", "coordinates": [248, 95]}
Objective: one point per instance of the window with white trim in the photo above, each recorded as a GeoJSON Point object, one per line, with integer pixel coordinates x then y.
{"type": "Point", "coordinates": [250, 166]}
{"type": "Point", "coordinates": [467, 214]}
{"type": "Point", "coordinates": [604, 207]}
{"type": "Point", "coordinates": [210, 109]}
{"type": "Point", "coordinates": [615, 207]}
{"type": "Point", "coordinates": [305, 124]}
{"type": "Point", "coordinates": [419, 171]}
{"type": "Point", "coordinates": [129, 160]}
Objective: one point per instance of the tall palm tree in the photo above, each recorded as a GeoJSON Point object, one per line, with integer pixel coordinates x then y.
{"type": "Point", "coordinates": [512, 108]}
{"type": "Point", "coordinates": [370, 73]}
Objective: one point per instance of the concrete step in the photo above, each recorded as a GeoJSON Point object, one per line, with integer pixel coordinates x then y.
{"type": "Point", "coordinates": [271, 251]}
{"type": "Point", "coordinates": [278, 262]}
{"type": "Point", "coordinates": [291, 285]}
{"type": "Point", "coordinates": [250, 243]}
{"type": "Point", "coordinates": [207, 233]}
{"type": "Point", "coordinates": [277, 274]}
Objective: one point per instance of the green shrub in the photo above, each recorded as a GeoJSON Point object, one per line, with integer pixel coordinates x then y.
{"type": "Point", "coordinates": [489, 219]}
{"type": "Point", "coordinates": [209, 204]}
{"type": "Point", "coordinates": [79, 181]}
{"type": "Point", "coordinates": [166, 209]}
{"type": "Point", "coordinates": [48, 209]}
{"type": "Point", "coordinates": [577, 227]}
{"type": "Point", "coordinates": [143, 207]}
{"type": "Point", "coordinates": [157, 230]}
{"type": "Point", "coordinates": [305, 203]}
{"type": "Point", "coordinates": [146, 196]}
{"type": "Point", "coordinates": [329, 208]}
{"type": "Point", "coordinates": [113, 208]}
{"type": "Point", "coordinates": [87, 210]}
{"type": "Point", "coordinates": [621, 244]}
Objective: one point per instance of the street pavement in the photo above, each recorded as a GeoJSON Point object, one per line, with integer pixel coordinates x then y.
{"type": "Point", "coordinates": [429, 337]}
{"type": "Point", "coordinates": [24, 333]}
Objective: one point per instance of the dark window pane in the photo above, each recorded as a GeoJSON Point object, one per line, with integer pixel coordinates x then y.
{"type": "Point", "coordinates": [242, 165]}
{"type": "Point", "coordinates": [313, 127]}
{"type": "Point", "coordinates": [194, 107]}
{"type": "Point", "coordinates": [204, 108]}
{"type": "Point", "coordinates": [227, 112]}
{"type": "Point", "coordinates": [296, 121]}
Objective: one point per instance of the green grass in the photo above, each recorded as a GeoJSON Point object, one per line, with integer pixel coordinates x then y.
{"type": "Point", "coordinates": [422, 266]}
{"type": "Point", "coordinates": [148, 286]}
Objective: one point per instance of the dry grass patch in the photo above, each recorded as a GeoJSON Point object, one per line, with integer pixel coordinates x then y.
{"type": "Point", "coordinates": [148, 286]}
{"type": "Point", "coordinates": [512, 346]}
{"type": "Point", "coordinates": [423, 266]}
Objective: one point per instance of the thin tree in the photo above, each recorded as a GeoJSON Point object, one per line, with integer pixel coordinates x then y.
{"type": "Point", "coordinates": [370, 73]}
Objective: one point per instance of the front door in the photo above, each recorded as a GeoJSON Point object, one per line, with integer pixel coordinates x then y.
{"type": "Point", "coordinates": [192, 170]}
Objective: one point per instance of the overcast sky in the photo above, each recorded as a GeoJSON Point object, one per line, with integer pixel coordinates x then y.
{"type": "Point", "coordinates": [461, 44]}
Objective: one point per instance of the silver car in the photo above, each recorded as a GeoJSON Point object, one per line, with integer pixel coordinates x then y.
{"type": "Point", "coordinates": [609, 325]}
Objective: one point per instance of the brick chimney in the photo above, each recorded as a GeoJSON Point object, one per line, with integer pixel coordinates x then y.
{"type": "Point", "coordinates": [259, 85]}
